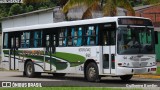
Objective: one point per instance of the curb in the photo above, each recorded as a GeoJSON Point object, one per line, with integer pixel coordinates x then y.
{"type": "Point", "coordinates": [148, 76]}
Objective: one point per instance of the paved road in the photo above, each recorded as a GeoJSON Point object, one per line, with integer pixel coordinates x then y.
{"type": "Point", "coordinates": [77, 80]}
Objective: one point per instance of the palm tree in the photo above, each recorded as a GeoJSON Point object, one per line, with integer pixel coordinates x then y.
{"type": "Point", "coordinates": [109, 7]}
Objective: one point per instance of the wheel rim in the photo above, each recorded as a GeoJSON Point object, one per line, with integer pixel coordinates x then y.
{"type": "Point", "coordinates": [29, 69]}
{"type": "Point", "coordinates": [91, 72]}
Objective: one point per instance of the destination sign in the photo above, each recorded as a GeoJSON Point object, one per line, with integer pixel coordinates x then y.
{"type": "Point", "coordinates": [134, 21]}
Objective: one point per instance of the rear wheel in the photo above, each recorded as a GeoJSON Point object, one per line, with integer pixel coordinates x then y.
{"type": "Point", "coordinates": [59, 74]}
{"type": "Point", "coordinates": [92, 73]}
{"type": "Point", "coordinates": [126, 77]}
{"type": "Point", "coordinates": [29, 69]}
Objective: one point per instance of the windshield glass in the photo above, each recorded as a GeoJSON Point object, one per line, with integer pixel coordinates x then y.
{"type": "Point", "coordinates": [135, 40]}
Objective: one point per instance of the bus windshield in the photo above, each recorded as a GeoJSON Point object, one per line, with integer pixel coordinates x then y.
{"type": "Point", "coordinates": [135, 40]}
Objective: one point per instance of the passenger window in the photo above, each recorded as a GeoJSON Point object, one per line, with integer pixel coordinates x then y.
{"type": "Point", "coordinates": [38, 39]}
{"type": "Point", "coordinates": [69, 36]}
{"type": "Point", "coordinates": [25, 40]}
{"type": "Point", "coordinates": [92, 35]}
{"type": "Point", "coordinates": [5, 42]}
{"type": "Point", "coordinates": [79, 36]}
{"type": "Point", "coordinates": [62, 35]}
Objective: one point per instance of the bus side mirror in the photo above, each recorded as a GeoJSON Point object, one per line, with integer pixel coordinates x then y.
{"type": "Point", "coordinates": [156, 37]}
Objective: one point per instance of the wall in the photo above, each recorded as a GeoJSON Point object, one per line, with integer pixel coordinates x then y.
{"type": "Point", "coordinates": [40, 18]}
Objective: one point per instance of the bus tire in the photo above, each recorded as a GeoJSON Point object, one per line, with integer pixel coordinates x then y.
{"type": "Point", "coordinates": [126, 77]}
{"type": "Point", "coordinates": [59, 74]}
{"type": "Point", "coordinates": [92, 74]}
{"type": "Point", "coordinates": [29, 69]}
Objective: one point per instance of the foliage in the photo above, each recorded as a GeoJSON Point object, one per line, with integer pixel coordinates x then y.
{"type": "Point", "coordinates": [15, 9]}
{"type": "Point", "coordinates": [8, 9]}
{"type": "Point", "coordinates": [158, 70]}
{"type": "Point", "coordinates": [29, 8]}
{"type": "Point", "coordinates": [108, 6]}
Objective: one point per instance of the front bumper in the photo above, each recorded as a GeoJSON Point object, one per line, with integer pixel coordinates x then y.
{"type": "Point", "coordinates": [127, 70]}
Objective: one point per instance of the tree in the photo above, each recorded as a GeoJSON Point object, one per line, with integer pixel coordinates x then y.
{"type": "Point", "coordinates": [15, 9]}
{"type": "Point", "coordinates": [109, 7]}
{"type": "Point", "coordinates": [4, 10]}
{"type": "Point", "coordinates": [29, 8]}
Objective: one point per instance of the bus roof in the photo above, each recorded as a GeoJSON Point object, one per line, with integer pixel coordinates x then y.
{"type": "Point", "coordinates": [68, 23]}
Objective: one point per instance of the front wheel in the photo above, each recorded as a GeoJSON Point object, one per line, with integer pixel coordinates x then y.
{"type": "Point", "coordinates": [92, 73]}
{"type": "Point", "coordinates": [126, 77]}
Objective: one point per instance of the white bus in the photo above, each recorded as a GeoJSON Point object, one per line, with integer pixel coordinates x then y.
{"type": "Point", "coordinates": [109, 46]}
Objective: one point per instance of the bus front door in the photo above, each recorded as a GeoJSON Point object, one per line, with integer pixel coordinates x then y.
{"type": "Point", "coordinates": [50, 43]}
{"type": "Point", "coordinates": [14, 51]}
{"type": "Point", "coordinates": [109, 40]}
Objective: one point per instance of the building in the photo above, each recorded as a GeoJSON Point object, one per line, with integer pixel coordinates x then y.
{"type": "Point", "coordinates": [43, 16]}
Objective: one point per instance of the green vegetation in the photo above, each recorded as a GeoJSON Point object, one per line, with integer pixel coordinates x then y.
{"type": "Point", "coordinates": [68, 88]}
{"type": "Point", "coordinates": [108, 7]}
{"type": "Point", "coordinates": [8, 9]}
{"type": "Point", "coordinates": [158, 70]}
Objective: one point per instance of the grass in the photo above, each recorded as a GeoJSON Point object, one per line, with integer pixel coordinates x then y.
{"type": "Point", "coordinates": [158, 70]}
{"type": "Point", "coordinates": [68, 88]}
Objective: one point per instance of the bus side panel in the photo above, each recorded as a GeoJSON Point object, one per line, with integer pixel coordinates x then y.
{"type": "Point", "coordinates": [35, 55]}
{"type": "Point", "coordinates": [5, 63]}
{"type": "Point", "coordinates": [21, 66]}
{"type": "Point", "coordinates": [75, 58]}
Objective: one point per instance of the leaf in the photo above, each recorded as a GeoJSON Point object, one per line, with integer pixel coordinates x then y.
{"type": "Point", "coordinates": [74, 3]}
{"type": "Point", "coordinates": [109, 8]}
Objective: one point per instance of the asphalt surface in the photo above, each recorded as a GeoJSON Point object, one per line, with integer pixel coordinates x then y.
{"type": "Point", "coordinates": [76, 80]}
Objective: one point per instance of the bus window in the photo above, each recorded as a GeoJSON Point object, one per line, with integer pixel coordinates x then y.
{"type": "Point", "coordinates": [74, 36]}
{"type": "Point", "coordinates": [69, 37]}
{"type": "Point", "coordinates": [38, 39]}
{"type": "Point", "coordinates": [5, 44]}
{"type": "Point", "coordinates": [25, 40]}
{"type": "Point", "coordinates": [92, 35]}
{"type": "Point", "coordinates": [17, 42]}
{"type": "Point", "coordinates": [79, 36]}
{"type": "Point", "coordinates": [62, 37]}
